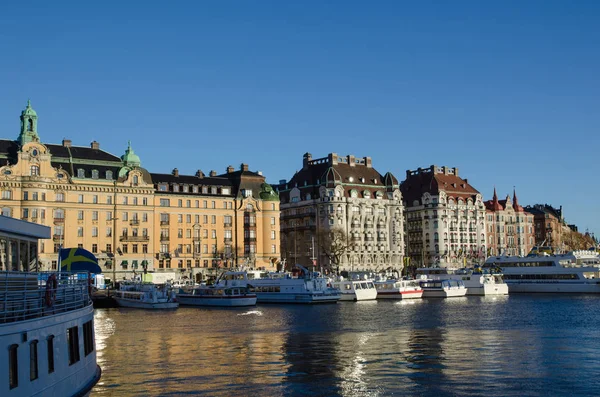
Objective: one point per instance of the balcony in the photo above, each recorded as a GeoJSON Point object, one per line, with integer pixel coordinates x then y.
{"type": "Point", "coordinates": [369, 238]}
{"type": "Point", "coordinates": [164, 238]}
{"type": "Point", "coordinates": [251, 239]}
{"type": "Point", "coordinates": [58, 237]}
{"type": "Point", "coordinates": [164, 223]}
{"type": "Point", "coordinates": [227, 239]}
{"type": "Point", "coordinates": [134, 222]}
{"type": "Point", "coordinates": [134, 239]}
{"type": "Point", "coordinates": [227, 224]}
{"type": "Point", "coordinates": [58, 221]}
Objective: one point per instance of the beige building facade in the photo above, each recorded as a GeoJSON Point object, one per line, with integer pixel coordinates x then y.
{"type": "Point", "coordinates": [133, 220]}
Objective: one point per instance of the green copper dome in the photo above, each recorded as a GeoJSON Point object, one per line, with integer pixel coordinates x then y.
{"type": "Point", "coordinates": [130, 159]}
{"type": "Point", "coordinates": [28, 111]}
{"type": "Point", "coordinates": [267, 193]}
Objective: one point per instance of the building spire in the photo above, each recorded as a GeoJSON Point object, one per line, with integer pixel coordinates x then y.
{"type": "Point", "coordinates": [28, 125]}
{"type": "Point", "coordinates": [516, 205]}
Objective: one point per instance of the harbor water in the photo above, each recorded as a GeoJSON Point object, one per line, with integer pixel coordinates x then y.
{"type": "Point", "coordinates": [518, 345]}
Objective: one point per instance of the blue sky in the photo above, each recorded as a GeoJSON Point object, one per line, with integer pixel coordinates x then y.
{"type": "Point", "coordinates": [507, 91]}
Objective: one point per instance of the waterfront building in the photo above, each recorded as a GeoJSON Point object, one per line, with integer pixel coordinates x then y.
{"type": "Point", "coordinates": [509, 227]}
{"type": "Point", "coordinates": [445, 218]}
{"type": "Point", "coordinates": [344, 209]}
{"type": "Point", "coordinates": [133, 220]}
{"type": "Point", "coordinates": [548, 222]}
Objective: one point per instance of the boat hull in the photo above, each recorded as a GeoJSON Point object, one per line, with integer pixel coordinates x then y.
{"type": "Point", "coordinates": [359, 295]}
{"type": "Point", "coordinates": [283, 297]}
{"type": "Point", "coordinates": [444, 293]}
{"type": "Point", "coordinates": [488, 289]}
{"type": "Point", "coordinates": [400, 294]}
{"type": "Point", "coordinates": [554, 287]}
{"type": "Point", "coordinates": [223, 301]}
{"type": "Point", "coordinates": [137, 304]}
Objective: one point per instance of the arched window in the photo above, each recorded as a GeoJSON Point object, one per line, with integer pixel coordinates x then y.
{"type": "Point", "coordinates": [29, 125]}
{"type": "Point", "coordinates": [80, 173]}
{"type": "Point", "coordinates": [109, 175]}
{"type": "Point", "coordinates": [135, 180]}
{"type": "Point", "coordinates": [34, 170]}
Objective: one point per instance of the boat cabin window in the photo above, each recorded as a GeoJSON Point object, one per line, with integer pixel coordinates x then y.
{"type": "Point", "coordinates": [50, 342]}
{"type": "Point", "coordinates": [88, 338]}
{"type": "Point", "coordinates": [33, 360]}
{"type": "Point", "coordinates": [73, 343]}
{"type": "Point", "coordinates": [13, 366]}
{"type": "Point", "coordinates": [347, 287]}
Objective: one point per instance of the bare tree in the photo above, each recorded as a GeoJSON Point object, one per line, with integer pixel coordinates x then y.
{"type": "Point", "coordinates": [334, 244]}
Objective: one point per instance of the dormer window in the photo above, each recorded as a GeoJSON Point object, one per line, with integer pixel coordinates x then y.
{"type": "Point", "coordinates": [136, 180]}
{"type": "Point", "coordinates": [350, 179]}
{"type": "Point", "coordinates": [175, 187]}
{"type": "Point", "coordinates": [194, 189]}
{"type": "Point", "coordinates": [34, 170]}
{"type": "Point", "coordinates": [213, 190]}
{"type": "Point", "coordinates": [94, 174]}
{"type": "Point", "coordinates": [163, 187]}
{"type": "Point", "coordinates": [186, 188]}
{"type": "Point", "coordinates": [247, 192]}
{"type": "Point", "coordinates": [204, 190]}
{"type": "Point", "coordinates": [225, 190]}
{"type": "Point", "coordinates": [80, 173]}
{"type": "Point", "coordinates": [109, 175]}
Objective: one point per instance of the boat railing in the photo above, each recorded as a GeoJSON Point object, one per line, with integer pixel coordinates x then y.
{"type": "Point", "coordinates": [26, 296]}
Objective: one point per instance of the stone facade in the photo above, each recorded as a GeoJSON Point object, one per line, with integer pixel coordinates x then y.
{"type": "Point", "coordinates": [133, 220]}
{"type": "Point", "coordinates": [350, 213]}
{"type": "Point", "coordinates": [548, 223]}
{"type": "Point", "coordinates": [509, 227]}
{"type": "Point", "coordinates": [445, 218]}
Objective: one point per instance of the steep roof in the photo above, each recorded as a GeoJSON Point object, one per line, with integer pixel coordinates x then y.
{"type": "Point", "coordinates": [433, 181]}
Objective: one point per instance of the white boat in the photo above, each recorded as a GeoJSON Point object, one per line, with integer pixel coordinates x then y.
{"type": "Point", "coordinates": [145, 296]}
{"type": "Point", "coordinates": [443, 288]}
{"type": "Point", "coordinates": [398, 289]}
{"type": "Point", "coordinates": [477, 281]}
{"type": "Point", "coordinates": [230, 290]}
{"type": "Point", "coordinates": [47, 340]}
{"type": "Point", "coordinates": [300, 286]}
{"type": "Point", "coordinates": [573, 272]}
{"type": "Point", "coordinates": [355, 290]}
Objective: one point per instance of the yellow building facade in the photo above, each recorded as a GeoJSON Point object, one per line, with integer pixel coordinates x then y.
{"type": "Point", "coordinates": [134, 220]}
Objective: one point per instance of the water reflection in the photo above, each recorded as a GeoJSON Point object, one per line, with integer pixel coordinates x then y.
{"type": "Point", "coordinates": [508, 346]}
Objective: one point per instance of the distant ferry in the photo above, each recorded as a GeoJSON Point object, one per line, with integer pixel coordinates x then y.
{"type": "Point", "coordinates": [47, 341]}
{"type": "Point", "coordinates": [300, 286]}
{"type": "Point", "coordinates": [230, 290]}
{"type": "Point", "coordinates": [574, 272]}
{"type": "Point", "coordinates": [355, 289]}
{"type": "Point", "coordinates": [398, 289]}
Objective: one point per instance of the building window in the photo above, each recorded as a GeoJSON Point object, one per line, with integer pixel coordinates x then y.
{"type": "Point", "coordinates": [94, 248]}
{"type": "Point", "coordinates": [95, 174]}
{"type": "Point", "coordinates": [13, 366]}
{"type": "Point", "coordinates": [273, 235]}
{"type": "Point", "coordinates": [33, 360]}
{"type": "Point", "coordinates": [225, 190]}
{"type": "Point", "coordinates": [136, 180]}
{"type": "Point", "coordinates": [6, 195]}
{"type": "Point", "coordinates": [88, 338]}
{"type": "Point", "coordinates": [109, 175]}
{"type": "Point", "coordinates": [73, 343]}
{"type": "Point", "coordinates": [272, 220]}
{"type": "Point", "coordinates": [34, 170]}
{"type": "Point", "coordinates": [80, 173]}
{"type": "Point", "coordinates": [80, 231]}
{"type": "Point", "coordinates": [50, 344]}
{"type": "Point", "coordinates": [144, 248]}
{"type": "Point", "coordinates": [165, 203]}
{"type": "Point", "coordinates": [273, 249]}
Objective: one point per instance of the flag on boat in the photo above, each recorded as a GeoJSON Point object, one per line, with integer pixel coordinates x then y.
{"type": "Point", "coordinates": [78, 260]}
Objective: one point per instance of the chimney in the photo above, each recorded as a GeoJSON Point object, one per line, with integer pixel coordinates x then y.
{"type": "Point", "coordinates": [332, 158]}
{"type": "Point", "coordinates": [466, 180]}
{"type": "Point", "coordinates": [455, 169]}
{"type": "Point", "coordinates": [305, 160]}
{"type": "Point", "coordinates": [199, 174]}
{"type": "Point", "coordinates": [95, 145]}
{"type": "Point", "coordinates": [368, 162]}
{"type": "Point", "coordinates": [66, 142]}
{"type": "Point", "coordinates": [351, 160]}
{"type": "Point", "coordinates": [175, 172]}
{"type": "Point", "coordinates": [213, 173]}
{"type": "Point", "coordinates": [230, 169]}
{"type": "Point", "coordinates": [445, 169]}
{"type": "Point", "coordinates": [244, 167]}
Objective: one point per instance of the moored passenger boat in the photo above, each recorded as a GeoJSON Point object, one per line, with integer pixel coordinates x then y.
{"type": "Point", "coordinates": [230, 290]}
{"type": "Point", "coordinates": [145, 296]}
{"type": "Point", "coordinates": [398, 289]}
{"type": "Point", "coordinates": [355, 290]}
{"type": "Point", "coordinates": [300, 286]}
{"type": "Point", "coordinates": [47, 340]}
{"type": "Point", "coordinates": [573, 272]}
{"type": "Point", "coordinates": [443, 288]}
{"type": "Point", "coordinates": [476, 280]}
